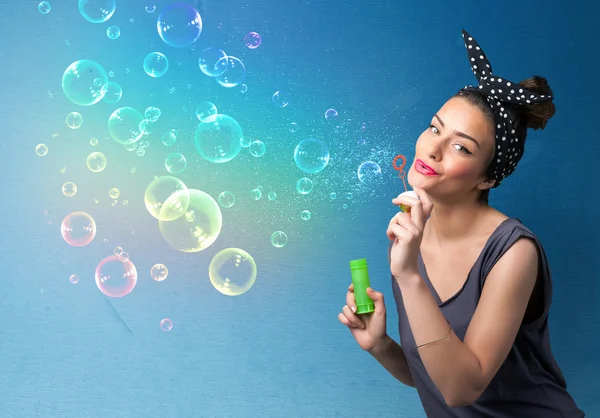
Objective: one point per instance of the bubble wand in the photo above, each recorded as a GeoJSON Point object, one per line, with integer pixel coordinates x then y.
{"type": "Point", "coordinates": [402, 175]}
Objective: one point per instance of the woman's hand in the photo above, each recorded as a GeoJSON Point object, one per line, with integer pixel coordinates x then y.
{"type": "Point", "coordinates": [369, 330]}
{"type": "Point", "coordinates": [406, 230]}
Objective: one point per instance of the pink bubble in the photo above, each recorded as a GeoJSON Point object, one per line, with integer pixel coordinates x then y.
{"type": "Point", "coordinates": [166, 324]}
{"type": "Point", "coordinates": [252, 40]}
{"type": "Point", "coordinates": [116, 278]}
{"type": "Point", "coordinates": [78, 229]}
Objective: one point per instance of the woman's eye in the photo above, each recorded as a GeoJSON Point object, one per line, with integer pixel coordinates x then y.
{"type": "Point", "coordinates": [432, 127]}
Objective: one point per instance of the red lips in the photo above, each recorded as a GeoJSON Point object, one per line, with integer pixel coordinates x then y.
{"type": "Point", "coordinates": [421, 167]}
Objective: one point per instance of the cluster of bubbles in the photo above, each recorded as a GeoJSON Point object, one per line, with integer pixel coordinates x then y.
{"type": "Point", "coordinates": [189, 220]}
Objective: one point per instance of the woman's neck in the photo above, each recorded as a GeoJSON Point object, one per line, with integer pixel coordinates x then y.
{"type": "Point", "coordinates": [451, 224]}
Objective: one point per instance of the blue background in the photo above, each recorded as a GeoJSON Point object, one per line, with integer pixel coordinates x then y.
{"type": "Point", "coordinates": [278, 350]}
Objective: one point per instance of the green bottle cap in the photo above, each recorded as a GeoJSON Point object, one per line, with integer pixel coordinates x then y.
{"type": "Point", "coordinates": [360, 279]}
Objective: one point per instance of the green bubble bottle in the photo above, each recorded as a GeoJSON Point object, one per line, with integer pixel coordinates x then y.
{"type": "Point", "coordinates": [360, 279]}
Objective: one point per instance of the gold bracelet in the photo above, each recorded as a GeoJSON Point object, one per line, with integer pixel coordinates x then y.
{"type": "Point", "coordinates": [439, 339]}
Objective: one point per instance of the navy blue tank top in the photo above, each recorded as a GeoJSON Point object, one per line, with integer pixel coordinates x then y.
{"type": "Point", "coordinates": [529, 383]}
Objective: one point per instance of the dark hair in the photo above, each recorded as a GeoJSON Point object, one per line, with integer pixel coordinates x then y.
{"type": "Point", "coordinates": [534, 116]}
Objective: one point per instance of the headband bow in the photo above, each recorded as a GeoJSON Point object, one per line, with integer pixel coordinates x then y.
{"type": "Point", "coordinates": [499, 92]}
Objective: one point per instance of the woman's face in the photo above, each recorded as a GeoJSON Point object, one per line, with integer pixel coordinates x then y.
{"type": "Point", "coordinates": [458, 146]}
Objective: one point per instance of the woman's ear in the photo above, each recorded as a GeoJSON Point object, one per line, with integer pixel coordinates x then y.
{"type": "Point", "coordinates": [486, 184]}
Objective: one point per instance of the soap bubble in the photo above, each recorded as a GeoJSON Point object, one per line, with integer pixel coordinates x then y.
{"type": "Point", "coordinates": [305, 215]}
{"type": "Point", "coordinates": [111, 92]}
{"type": "Point", "coordinates": [311, 155]}
{"type": "Point", "coordinates": [152, 113]}
{"type": "Point", "coordinates": [200, 225]}
{"type": "Point", "coordinates": [159, 193]}
{"type": "Point", "coordinates": [97, 11]}
{"type": "Point", "coordinates": [218, 138]}
{"type": "Point", "coordinates": [204, 110]}
{"type": "Point", "coordinates": [41, 149]}
{"type": "Point", "coordinates": [74, 279]}
{"type": "Point", "coordinates": [159, 272]}
{"type": "Point", "coordinates": [258, 148]}
{"type": "Point", "coordinates": [331, 114]}
{"type": "Point", "coordinates": [124, 125]}
{"type": "Point", "coordinates": [74, 120]}
{"type": "Point", "coordinates": [175, 163]}
{"type": "Point", "coordinates": [44, 7]}
{"type": "Point", "coordinates": [69, 189]}
{"type": "Point", "coordinates": [281, 98]}
{"type": "Point", "coordinates": [369, 173]}
{"type": "Point", "coordinates": [82, 82]}
{"type": "Point", "coordinates": [235, 73]}
{"type": "Point", "coordinates": [116, 278]}
{"type": "Point", "coordinates": [232, 271]}
{"type": "Point", "coordinates": [78, 229]}
{"type": "Point", "coordinates": [166, 324]}
{"type": "Point", "coordinates": [279, 239]}
{"type": "Point", "coordinates": [226, 199]}
{"type": "Point", "coordinates": [304, 186]}
{"type": "Point", "coordinates": [213, 62]}
{"type": "Point", "coordinates": [169, 138]}
{"type": "Point", "coordinates": [96, 162]}
{"type": "Point", "coordinates": [156, 64]}
{"type": "Point", "coordinates": [252, 40]}
{"type": "Point", "coordinates": [179, 25]}
{"type": "Point", "coordinates": [113, 32]}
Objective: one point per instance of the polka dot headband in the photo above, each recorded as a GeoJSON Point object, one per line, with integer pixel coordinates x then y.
{"type": "Point", "coordinates": [498, 92]}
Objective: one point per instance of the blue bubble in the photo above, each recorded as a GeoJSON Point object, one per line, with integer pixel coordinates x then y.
{"type": "Point", "coordinates": [156, 64]}
{"type": "Point", "coordinates": [235, 73]}
{"type": "Point", "coordinates": [311, 155]}
{"type": "Point", "coordinates": [213, 62]}
{"type": "Point", "coordinates": [179, 25]}
{"type": "Point", "coordinates": [44, 7]}
{"type": "Point", "coordinates": [97, 11]}
{"type": "Point", "coordinates": [113, 32]}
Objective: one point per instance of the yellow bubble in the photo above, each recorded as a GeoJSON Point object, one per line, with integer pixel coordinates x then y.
{"type": "Point", "coordinates": [160, 191]}
{"type": "Point", "coordinates": [232, 271]}
{"type": "Point", "coordinates": [41, 149]}
{"type": "Point", "coordinates": [114, 193]}
{"type": "Point", "coordinates": [199, 228]}
{"type": "Point", "coordinates": [69, 189]}
{"type": "Point", "coordinates": [159, 272]}
{"type": "Point", "coordinates": [96, 162]}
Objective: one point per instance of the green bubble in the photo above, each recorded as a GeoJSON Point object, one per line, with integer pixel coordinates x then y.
{"type": "Point", "coordinates": [226, 199]}
{"type": "Point", "coordinates": [279, 239]}
{"type": "Point", "coordinates": [305, 215]}
{"type": "Point", "coordinates": [160, 191]}
{"type": "Point", "coordinates": [199, 228]}
{"type": "Point", "coordinates": [304, 185]}
{"type": "Point", "coordinates": [175, 163]}
{"type": "Point", "coordinates": [96, 162]}
{"type": "Point", "coordinates": [232, 271]}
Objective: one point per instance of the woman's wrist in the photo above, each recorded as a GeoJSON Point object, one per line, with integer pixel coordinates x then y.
{"type": "Point", "coordinates": [382, 345]}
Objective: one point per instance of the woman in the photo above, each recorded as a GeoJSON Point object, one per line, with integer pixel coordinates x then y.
{"type": "Point", "coordinates": [472, 286]}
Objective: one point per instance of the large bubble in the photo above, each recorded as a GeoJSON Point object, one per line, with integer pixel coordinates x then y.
{"type": "Point", "coordinates": [78, 229]}
{"type": "Point", "coordinates": [232, 271]}
{"type": "Point", "coordinates": [235, 73]}
{"type": "Point", "coordinates": [97, 11]}
{"type": "Point", "coordinates": [369, 173]}
{"type": "Point", "coordinates": [124, 125]}
{"type": "Point", "coordinates": [159, 192]}
{"type": "Point", "coordinates": [82, 82]}
{"type": "Point", "coordinates": [116, 276]}
{"type": "Point", "coordinates": [218, 138]}
{"type": "Point", "coordinates": [198, 228]}
{"type": "Point", "coordinates": [311, 155]}
{"type": "Point", "coordinates": [179, 25]}
{"type": "Point", "coordinates": [213, 62]}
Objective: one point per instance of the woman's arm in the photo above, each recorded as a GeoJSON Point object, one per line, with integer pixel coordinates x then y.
{"type": "Point", "coordinates": [463, 370]}
{"type": "Point", "coordinates": [391, 356]}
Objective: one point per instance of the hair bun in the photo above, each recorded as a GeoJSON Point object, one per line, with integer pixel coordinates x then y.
{"type": "Point", "coordinates": [538, 114]}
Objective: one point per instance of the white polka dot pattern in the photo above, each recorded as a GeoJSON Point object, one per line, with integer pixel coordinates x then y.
{"type": "Point", "coordinates": [499, 92]}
